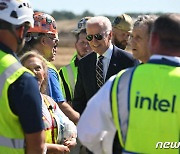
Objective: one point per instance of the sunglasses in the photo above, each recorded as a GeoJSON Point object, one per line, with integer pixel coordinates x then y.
{"type": "Point", "coordinates": [96, 36]}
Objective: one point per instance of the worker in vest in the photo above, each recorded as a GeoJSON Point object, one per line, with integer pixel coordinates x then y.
{"type": "Point", "coordinates": [141, 103]}
{"type": "Point", "coordinates": [43, 37]}
{"type": "Point", "coordinates": [21, 124]}
{"type": "Point", "coordinates": [68, 73]}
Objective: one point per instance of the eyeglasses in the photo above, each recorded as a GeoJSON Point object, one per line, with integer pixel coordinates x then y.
{"type": "Point", "coordinates": [54, 39]}
{"type": "Point", "coordinates": [96, 36]}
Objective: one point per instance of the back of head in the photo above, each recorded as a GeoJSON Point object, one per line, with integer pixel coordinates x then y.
{"type": "Point", "coordinates": [167, 28]}
{"type": "Point", "coordinates": [43, 24]}
{"type": "Point", "coordinates": [81, 26]}
{"type": "Point", "coordinates": [102, 21]}
{"type": "Point", "coordinates": [123, 22]}
{"type": "Point", "coordinates": [147, 20]}
{"type": "Point", "coordinates": [16, 12]}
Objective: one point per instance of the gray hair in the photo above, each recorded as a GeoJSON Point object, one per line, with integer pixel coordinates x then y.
{"type": "Point", "coordinates": [102, 21]}
{"type": "Point", "coordinates": [147, 20]}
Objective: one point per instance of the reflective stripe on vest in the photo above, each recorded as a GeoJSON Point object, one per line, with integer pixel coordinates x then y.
{"type": "Point", "coordinates": [121, 108]}
{"type": "Point", "coordinates": [51, 129]}
{"type": "Point", "coordinates": [146, 112]}
{"type": "Point", "coordinates": [11, 133]}
{"type": "Point", "coordinates": [12, 143]}
{"type": "Point", "coordinates": [7, 73]}
{"type": "Point", "coordinates": [70, 76]}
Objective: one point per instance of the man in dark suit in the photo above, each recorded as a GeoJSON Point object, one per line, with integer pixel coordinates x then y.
{"type": "Point", "coordinates": [99, 35]}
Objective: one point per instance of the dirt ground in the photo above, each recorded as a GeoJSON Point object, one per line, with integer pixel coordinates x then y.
{"type": "Point", "coordinates": [63, 56]}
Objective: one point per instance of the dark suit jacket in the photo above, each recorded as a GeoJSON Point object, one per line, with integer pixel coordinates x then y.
{"type": "Point", "coordinates": [86, 85]}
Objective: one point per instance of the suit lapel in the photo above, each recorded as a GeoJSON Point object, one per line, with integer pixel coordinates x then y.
{"type": "Point", "coordinates": [113, 65]}
{"type": "Point", "coordinates": [91, 72]}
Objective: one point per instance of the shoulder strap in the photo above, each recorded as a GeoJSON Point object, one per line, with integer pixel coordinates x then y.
{"type": "Point", "coordinates": [120, 100]}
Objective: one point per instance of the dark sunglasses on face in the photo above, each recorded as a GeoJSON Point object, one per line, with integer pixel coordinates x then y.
{"type": "Point", "coordinates": [96, 36]}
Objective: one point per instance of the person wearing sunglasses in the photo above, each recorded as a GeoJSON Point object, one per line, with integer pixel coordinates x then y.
{"type": "Point", "coordinates": [99, 36]}
{"type": "Point", "coordinates": [43, 37]}
{"type": "Point", "coordinates": [69, 72]}
{"type": "Point", "coordinates": [142, 102]}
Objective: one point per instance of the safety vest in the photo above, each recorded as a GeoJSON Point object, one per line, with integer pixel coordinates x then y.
{"type": "Point", "coordinates": [145, 108]}
{"type": "Point", "coordinates": [11, 133]}
{"type": "Point", "coordinates": [50, 129]}
{"type": "Point", "coordinates": [70, 76]}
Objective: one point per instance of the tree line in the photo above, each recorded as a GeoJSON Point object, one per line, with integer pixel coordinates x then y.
{"type": "Point", "coordinates": [68, 15]}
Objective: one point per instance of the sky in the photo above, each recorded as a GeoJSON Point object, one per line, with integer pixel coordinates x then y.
{"type": "Point", "coordinates": [107, 7]}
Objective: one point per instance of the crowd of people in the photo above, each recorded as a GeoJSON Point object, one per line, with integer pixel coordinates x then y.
{"type": "Point", "coordinates": [107, 100]}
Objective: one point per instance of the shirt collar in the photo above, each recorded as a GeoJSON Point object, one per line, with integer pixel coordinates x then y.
{"type": "Point", "coordinates": [171, 58]}
{"type": "Point", "coordinates": [7, 50]}
{"type": "Point", "coordinates": [108, 52]}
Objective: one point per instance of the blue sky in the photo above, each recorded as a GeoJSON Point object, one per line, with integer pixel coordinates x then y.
{"type": "Point", "coordinates": [108, 7]}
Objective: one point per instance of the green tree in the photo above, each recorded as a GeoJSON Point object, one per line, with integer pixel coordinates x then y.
{"type": "Point", "coordinates": [63, 15]}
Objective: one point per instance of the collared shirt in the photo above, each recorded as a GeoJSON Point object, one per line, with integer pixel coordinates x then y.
{"type": "Point", "coordinates": [106, 60]}
{"type": "Point", "coordinates": [96, 131]}
{"type": "Point", "coordinates": [158, 57]}
{"type": "Point", "coordinates": [54, 89]}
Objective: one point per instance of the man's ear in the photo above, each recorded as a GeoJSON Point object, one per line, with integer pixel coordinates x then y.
{"type": "Point", "coordinates": [43, 40]}
{"type": "Point", "coordinates": [153, 42]}
{"type": "Point", "coordinates": [20, 32]}
{"type": "Point", "coordinates": [110, 35]}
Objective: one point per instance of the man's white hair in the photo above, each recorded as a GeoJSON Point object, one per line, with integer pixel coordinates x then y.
{"type": "Point", "coordinates": [102, 21]}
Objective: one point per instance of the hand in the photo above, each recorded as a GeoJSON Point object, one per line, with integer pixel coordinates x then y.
{"type": "Point", "coordinates": [57, 149]}
{"type": "Point", "coordinates": [71, 143]}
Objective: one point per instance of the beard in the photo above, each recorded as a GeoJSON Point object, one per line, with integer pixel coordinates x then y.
{"type": "Point", "coordinates": [121, 45]}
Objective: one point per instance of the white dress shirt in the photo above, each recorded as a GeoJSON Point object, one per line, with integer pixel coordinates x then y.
{"type": "Point", "coordinates": [106, 60]}
{"type": "Point", "coordinates": [96, 129]}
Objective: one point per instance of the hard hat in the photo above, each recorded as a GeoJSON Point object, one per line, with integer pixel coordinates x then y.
{"type": "Point", "coordinates": [44, 23]}
{"type": "Point", "coordinates": [16, 12]}
{"type": "Point", "coordinates": [81, 25]}
{"type": "Point", "coordinates": [123, 22]}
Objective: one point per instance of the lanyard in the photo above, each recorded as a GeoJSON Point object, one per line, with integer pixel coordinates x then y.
{"type": "Point", "coordinates": [51, 110]}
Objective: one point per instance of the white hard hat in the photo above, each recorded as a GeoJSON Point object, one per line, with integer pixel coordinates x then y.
{"type": "Point", "coordinates": [16, 12]}
{"type": "Point", "coordinates": [81, 25]}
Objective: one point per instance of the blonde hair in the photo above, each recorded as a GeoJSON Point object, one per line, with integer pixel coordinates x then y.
{"type": "Point", "coordinates": [34, 53]}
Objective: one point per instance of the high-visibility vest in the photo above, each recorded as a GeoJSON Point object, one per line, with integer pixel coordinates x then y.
{"type": "Point", "coordinates": [50, 130]}
{"type": "Point", "coordinates": [70, 76]}
{"type": "Point", "coordinates": [145, 108]}
{"type": "Point", "coordinates": [11, 133]}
